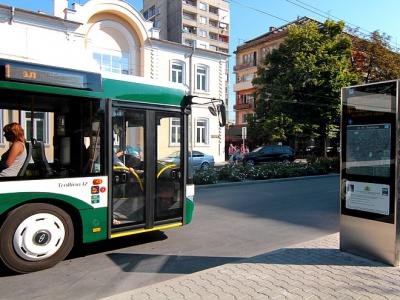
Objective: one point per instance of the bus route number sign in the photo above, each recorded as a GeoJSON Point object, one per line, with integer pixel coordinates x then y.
{"type": "Point", "coordinates": [38, 75]}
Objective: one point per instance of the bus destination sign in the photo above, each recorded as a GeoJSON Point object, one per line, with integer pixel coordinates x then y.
{"type": "Point", "coordinates": [36, 74]}
{"type": "Point", "coordinates": [52, 76]}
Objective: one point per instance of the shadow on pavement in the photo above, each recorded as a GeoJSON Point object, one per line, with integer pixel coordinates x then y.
{"type": "Point", "coordinates": [118, 243]}
{"type": "Point", "coordinates": [103, 246]}
{"type": "Point", "coordinates": [173, 264]}
{"type": "Point", "coordinates": [313, 256]}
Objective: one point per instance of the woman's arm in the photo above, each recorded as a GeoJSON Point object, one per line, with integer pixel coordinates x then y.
{"type": "Point", "coordinates": [15, 150]}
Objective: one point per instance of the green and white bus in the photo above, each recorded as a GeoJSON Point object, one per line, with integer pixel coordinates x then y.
{"type": "Point", "coordinates": [94, 168]}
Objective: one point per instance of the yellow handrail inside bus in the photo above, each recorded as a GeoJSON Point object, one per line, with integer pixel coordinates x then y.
{"type": "Point", "coordinates": [130, 170]}
{"type": "Point", "coordinates": [163, 169]}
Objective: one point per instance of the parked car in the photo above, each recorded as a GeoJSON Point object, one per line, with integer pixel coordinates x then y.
{"type": "Point", "coordinates": [199, 159]}
{"type": "Point", "coordinates": [269, 153]}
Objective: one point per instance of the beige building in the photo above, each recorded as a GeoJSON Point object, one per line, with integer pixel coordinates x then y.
{"type": "Point", "coordinates": [249, 56]}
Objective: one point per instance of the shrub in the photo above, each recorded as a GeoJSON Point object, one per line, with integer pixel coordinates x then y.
{"type": "Point", "coordinates": [234, 173]}
{"type": "Point", "coordinates": [205, 176]}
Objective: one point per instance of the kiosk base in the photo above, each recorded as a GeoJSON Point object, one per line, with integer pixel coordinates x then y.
{"type": "Point", "coordinates": [370, 239]}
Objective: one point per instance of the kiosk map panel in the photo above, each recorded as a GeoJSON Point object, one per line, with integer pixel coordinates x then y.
{"type": "Point", "coordinates": [368, 149]}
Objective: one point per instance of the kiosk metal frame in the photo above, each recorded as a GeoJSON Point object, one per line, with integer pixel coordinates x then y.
{"type": "Point", "coordinates": [369, 221]}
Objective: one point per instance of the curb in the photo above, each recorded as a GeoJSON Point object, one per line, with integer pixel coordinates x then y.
{"type": "Point", "coordinates": [204, 186]}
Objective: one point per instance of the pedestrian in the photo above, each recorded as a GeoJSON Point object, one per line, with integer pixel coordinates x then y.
{"type": "Point", "coordinates": [231, 151]}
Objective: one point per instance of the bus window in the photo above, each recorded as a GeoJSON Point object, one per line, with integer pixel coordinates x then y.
{"type": "Point", "coordinates": [128, 167]}
{"type": "Point", "coordinates": [169, 168]}
{"type": "Point", "coordinates": [65, 134]}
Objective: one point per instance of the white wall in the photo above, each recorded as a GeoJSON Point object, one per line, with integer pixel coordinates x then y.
{"type": "Point", "coordinates": [160, 54]}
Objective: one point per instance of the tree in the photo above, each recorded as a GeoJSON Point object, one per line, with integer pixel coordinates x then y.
{"type": "Point", "coordinates": [373, 57]}
{"type": "Point", "coordinates": [300, 82]}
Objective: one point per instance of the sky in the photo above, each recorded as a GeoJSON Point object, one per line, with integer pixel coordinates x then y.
{"type": "Point", "coordinates": [251, 18]}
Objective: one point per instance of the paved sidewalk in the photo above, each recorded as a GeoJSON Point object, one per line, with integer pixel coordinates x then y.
{"type": "Point", "coordinates": [311, 270]}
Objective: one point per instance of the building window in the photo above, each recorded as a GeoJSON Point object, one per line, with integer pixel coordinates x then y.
{"type": "Point", "coordinates": [202, 33]}
{"type": "Point", "coordinates": [213, 10]}
{"type": "Point", "coordinates": [177, 71]}
{"type": "Point", "coordinates": [37, 127]}
{"type": "Point", "coordinates": [175, 132]}
{"type": "Point", "coordinates": [247, 77]}
{"type": "Point", "coordinates": [188, 16]}
{"type": "Point", "coordinates": [189, 42]}
{"type": "Point", "coordinates": [213, 36]}
{"type": "Point", "coordinates": [213, 23]}
{"type": "Point", "coordinates": [157, 24]}
{"type": "Point", "coordinates": [203, 6]}
{"type": "Point", "coordinates": [113, 62]}
{"type": "Point", "coordinates": [151, 12]}
{"type": "Point", "coordinates": [202, 45]}
{"type": "Point", "coordinates": [202, 131]}
{"type": "Point", "coordinates": [202, 78]}
{"type": "Point", "coordinates": [203, 20]}
{"type": "Point", "coordinates": [246, 117]}
{"type": "Point", "coordinates": [249, 59]}
{"type": "Point", "coordinates": [189, 29]}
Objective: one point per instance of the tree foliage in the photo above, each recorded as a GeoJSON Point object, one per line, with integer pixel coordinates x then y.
{"type": "Point", "coordinates": [298, 88]}
{"type": "Point", "coordinates": [373, 57]}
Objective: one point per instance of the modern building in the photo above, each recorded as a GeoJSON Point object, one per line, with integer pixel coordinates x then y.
{"type": "Point", "coordinates": [200, 23]}
{"type": "Point", "coordinates": [112, 38]}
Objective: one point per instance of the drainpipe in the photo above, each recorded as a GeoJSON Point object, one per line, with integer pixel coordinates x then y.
{"type": "Point", "coordinates": [12, 12]}
{"type": "Point", "coordinates": [191, 70]}
{"type": "Point", "coordinates": [191, 88]}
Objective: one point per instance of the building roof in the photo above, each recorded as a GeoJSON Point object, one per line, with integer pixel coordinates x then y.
{"type": "Point", "coordinates": [38, 14]}
{"type": "Point", "coordinates": [273, 34]}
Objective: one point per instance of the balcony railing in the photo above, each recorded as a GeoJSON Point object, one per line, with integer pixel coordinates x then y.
{"type": "Point", "coordinates": [241, 106]}
{"type": "Point", "coordinates": [244, 66]}
{"type": "Point", "coordinates": [189, 2]}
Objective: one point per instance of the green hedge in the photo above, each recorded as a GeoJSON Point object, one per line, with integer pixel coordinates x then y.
{"type": "Point", "coordinates": [234, 173]}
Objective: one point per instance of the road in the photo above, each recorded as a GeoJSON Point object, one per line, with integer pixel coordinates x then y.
{"type": "Point", "coordinates": [230, 223]}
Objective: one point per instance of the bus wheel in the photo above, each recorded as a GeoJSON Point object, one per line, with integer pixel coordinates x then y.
{"type": "Point", "coordinates": [35, 237]}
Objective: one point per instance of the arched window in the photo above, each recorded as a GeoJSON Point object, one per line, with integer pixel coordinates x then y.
{"type": "Point", "coordinates": [114, 48]}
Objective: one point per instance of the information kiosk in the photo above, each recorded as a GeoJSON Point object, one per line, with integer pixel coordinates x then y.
{"type": "Point", "coordinates": [369, 171]}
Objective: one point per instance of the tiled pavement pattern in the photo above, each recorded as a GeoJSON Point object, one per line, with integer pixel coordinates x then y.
{"type": "Point", "coordinates": [311, 270]}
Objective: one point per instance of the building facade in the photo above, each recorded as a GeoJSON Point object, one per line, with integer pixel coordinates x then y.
{"type": "Point", "coordinates": [111, 37]}
{"type": "Point", "coordinates": [249, 57]}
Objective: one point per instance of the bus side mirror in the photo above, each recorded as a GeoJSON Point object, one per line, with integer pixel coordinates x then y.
{"type": "Point", "coordinates": [222, 115]}
{"type": "Point", "coordinates": [212, 111]}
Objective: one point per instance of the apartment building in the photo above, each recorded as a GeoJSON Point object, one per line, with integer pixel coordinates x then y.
{"type": "Point", "coordinates": [201, 24]}
{"type": "Point", "coordinates": [249, 56]}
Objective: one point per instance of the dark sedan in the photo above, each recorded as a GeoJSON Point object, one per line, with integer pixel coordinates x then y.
{"type": "Point", "coordinates": [269, 153]}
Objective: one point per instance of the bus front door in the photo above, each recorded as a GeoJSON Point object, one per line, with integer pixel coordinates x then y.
{"type": "Point", "coordinates": [129, 195]}
{"type": "Point", "coordinates": [147, 180]}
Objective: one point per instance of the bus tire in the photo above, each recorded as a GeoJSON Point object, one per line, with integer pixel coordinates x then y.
{"type": "Point", "coordinates": [35, 236]}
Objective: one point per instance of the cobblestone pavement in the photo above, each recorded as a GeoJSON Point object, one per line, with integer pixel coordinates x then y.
{"type": "Point", "coordinates": [313, 270]}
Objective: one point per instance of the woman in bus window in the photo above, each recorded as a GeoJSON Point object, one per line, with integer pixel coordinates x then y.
{"type": "Point", "coordinates": [12, 160]}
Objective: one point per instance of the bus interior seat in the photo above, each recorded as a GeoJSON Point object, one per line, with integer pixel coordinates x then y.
{"type": "Point", "coordinates": [39, 158]}
{"type": "Point", "coordinates": [28, 147]}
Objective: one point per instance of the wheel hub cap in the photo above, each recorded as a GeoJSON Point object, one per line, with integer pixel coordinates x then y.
{"type": "Point", "coordinates": [39, 237]}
